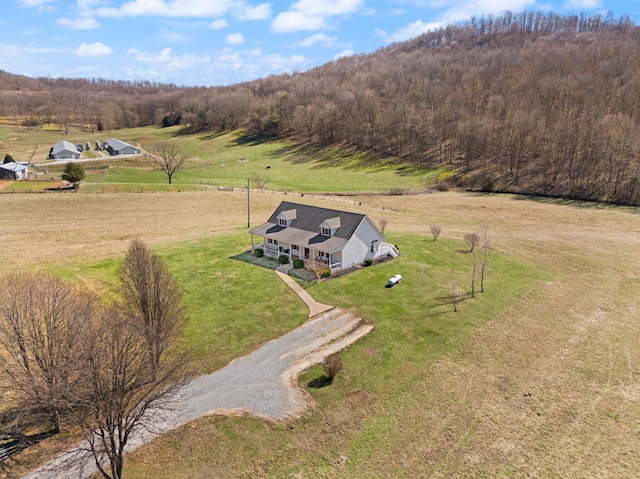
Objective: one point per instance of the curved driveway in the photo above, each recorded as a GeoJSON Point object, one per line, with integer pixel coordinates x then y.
{"type": "Point", "coordinates": [262, 383]}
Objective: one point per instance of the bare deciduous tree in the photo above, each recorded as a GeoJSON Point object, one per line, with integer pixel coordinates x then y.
{"type": "Point", "coordinates": [484, 267]}
{"type": "Point", "coordinates": [475, 263]}
{"type": "Point", "coordinates": [456, 293]}
{"type": "Point", "coordinates": [435, 231]}
{"type": "Point", "coordinates": [168, 156]}
{"type": "Point", "coordinates": [259, 181]}
{"type": "Point", "coordinates": [126, 394]}
{"type": "Point", "coordinates": [472, 240]}
{"type": "Point", "coordinates": [43, 321]}
{"type": "Point", "coordinates": [152, 297]}
{"type": "Point", "coordinates": [317, 267]}
{"type": "Point", "coordinates": [383, 224]}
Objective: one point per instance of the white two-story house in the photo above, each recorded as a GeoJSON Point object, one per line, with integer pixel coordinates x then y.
{"type": "Point", "coordinates": [337, 238]}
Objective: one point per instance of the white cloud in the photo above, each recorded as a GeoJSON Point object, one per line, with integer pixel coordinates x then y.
{"type": "Point", "coordinates": [81, 23]}
{"type": "Point", "coordinates": [318, 39]}
{"type": "Point", "coordinates": [313, 14]}
{"type": "Point", "coordinates": [582, 4]}
{"type": "Point", "coordinates": [457, 11]}
{"type": "Point", "coordinates": [463, 10]}
{"type": "Point", "coordinates": [84, 20]}
{"type": "Point", "coordinates": [254, 62]}
{"type": "Point", "coordinates": [259, 12]}
{"type": "Point", "coordinates": [234, 39]}
{"type": "Point", "coordinates": [33, 3]}
{"type": "Point", "coordinates": [297, 21]}
{"type": "Point", "coordinates": [410, 31]}
{"type": "Point", "coordinates": [175, 37]}
{"type": "Point", "coordinates": [344, 53]}
{"type": "Point", "coordinates": [168, 59]}
{"type": "Point", "coordinates": [218, 24]}
{"type": "Point", "coordinates": [172, 8]}
{"type": "Point", "coordinates": [327, 7]}
{"type": "Point", "coordinates": [93, 50]}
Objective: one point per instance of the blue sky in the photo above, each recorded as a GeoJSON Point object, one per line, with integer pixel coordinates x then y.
{"type": "Point", "coordinates": [222, 42]}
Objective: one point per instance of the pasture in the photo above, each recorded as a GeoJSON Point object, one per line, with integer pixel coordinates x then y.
{"type": "Point", "coordinates": [226, 160]}
{"type": "Point", "coordinates": [538, 376]}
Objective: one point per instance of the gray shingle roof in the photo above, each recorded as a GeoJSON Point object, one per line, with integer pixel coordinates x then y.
{"type": "Point", "coordinates": [289, 214]}
{"type": "Point", "coordinates": [304, 230]}
{"type": "Point", "coordinates": [333, 223]}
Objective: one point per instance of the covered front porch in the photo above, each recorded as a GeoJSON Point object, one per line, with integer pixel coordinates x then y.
{"type": "Point", "coordinates": [273, 248]}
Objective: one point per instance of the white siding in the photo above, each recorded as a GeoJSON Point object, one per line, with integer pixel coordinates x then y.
{"type": "Point", "coordinates": [359, 246]}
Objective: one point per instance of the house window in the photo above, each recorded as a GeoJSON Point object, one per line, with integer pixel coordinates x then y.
{"type": "Point", "coordinates": [282, 222]}
{"type": "Point", "coordinates": [295, 247]}
{"type": "Point", "coordinates": [374, 246]}
{"type": "Point", "coordinates": [272, 241]}
{"type": "Point", "coordinates": [326, 232]}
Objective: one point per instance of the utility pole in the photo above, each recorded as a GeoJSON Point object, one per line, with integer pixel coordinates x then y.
{"type": "Point", "coordinates": [248, 207]}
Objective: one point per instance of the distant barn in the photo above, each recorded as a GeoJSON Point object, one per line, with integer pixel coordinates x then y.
{"type": "Point", "coordinates": [64, 150]}
{"type": "Point", "coordinates": [117, 147]}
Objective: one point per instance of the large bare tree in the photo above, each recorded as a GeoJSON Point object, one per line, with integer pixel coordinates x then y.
{"type": "Point", "coordinates": [126, 394]}
{"type": "Point", "coordinates": [43, 321]}
{"type": "Point", "coordinates": [152, 297]}
{"type": "Point", "coordinates": [168, 156]}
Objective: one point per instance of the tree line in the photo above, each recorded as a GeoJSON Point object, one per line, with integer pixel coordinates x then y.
{"type": "Point", "coordinates": [532, 103]}
{"type": "Point", "coordinates": [69, 360]}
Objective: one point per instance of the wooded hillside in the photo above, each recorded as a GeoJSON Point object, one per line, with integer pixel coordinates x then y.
{"type": "Point", "coordinates": [533, 103]}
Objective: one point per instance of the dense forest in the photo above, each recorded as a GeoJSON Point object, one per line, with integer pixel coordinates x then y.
{"type": "Point", "coordinates": [534, 103]}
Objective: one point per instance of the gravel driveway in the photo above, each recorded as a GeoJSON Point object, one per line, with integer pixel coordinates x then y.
{"type": "Point", "coordinates": [262, 384]}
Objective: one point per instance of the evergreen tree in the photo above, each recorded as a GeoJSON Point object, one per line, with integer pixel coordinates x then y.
{"type": "Point", "coordinates": [73, 173]}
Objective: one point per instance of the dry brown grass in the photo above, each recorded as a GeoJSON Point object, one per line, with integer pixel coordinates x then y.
{"type": "Point", "coordinates": [549, 389]}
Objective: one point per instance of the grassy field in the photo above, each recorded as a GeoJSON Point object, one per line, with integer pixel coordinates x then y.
{"type": "Point", "coordinates": [537, 377]}
{"type": "Point", "coordinates": [218, 160]}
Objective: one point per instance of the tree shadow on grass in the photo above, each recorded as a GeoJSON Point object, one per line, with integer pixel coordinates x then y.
{"type": "Point", "coordinates": [11, 445]}
{"type": "Point", "coordinates": [331, 157]}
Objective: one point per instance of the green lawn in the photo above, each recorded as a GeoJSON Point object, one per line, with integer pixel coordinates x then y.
{"type": "Point", "coordinates": [235, 306]}
{"type": "Point", "coordinates": [384, 373]}
{"type": "Point", "coordinates": [225, 160]}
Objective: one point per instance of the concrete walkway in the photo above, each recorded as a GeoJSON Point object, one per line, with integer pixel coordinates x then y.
{"type": "Point", "coordinates": [315, 308]}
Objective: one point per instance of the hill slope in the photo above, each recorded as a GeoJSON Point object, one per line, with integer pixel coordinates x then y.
{"type": "Point", "coordinates": [532, 103]}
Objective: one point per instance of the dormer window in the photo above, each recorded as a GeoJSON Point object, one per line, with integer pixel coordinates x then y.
{"type": "Point", "coordinates": [330, 226]}
{"type": "Point", "coordinates": [285, 218]}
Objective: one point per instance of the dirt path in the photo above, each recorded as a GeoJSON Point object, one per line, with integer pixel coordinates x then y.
{"type": "Point", "coordinates": [261, 384]}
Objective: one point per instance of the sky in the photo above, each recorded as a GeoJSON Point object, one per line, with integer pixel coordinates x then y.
{"type": "Point", "coordinates": [224, 42]}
